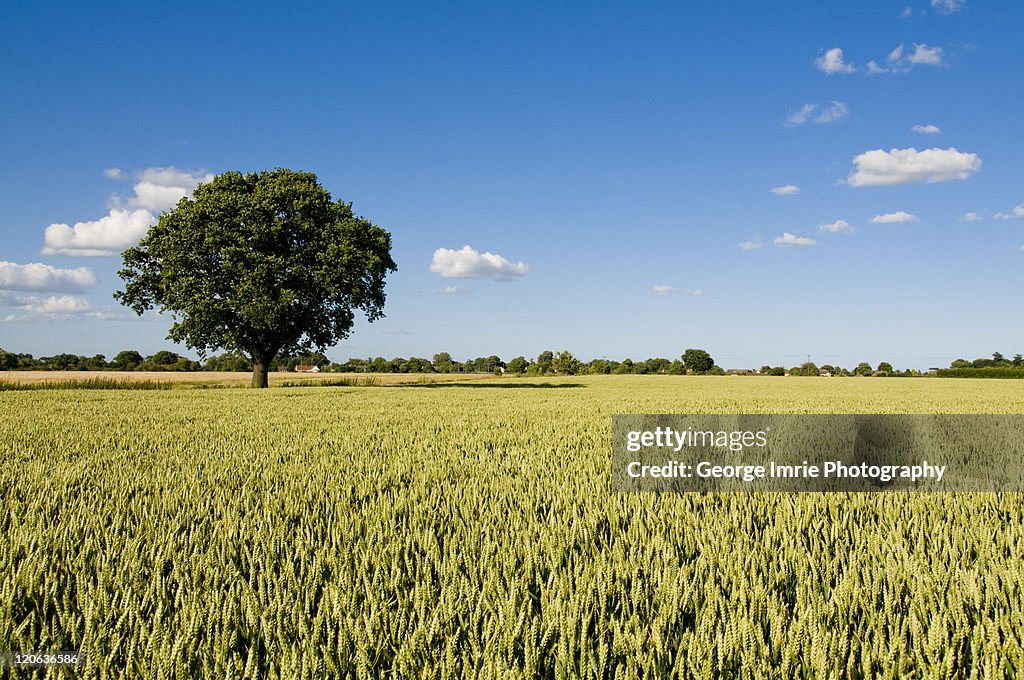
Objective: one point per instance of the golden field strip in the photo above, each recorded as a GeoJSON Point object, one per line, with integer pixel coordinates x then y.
{"type": "Point", "coordinates": [468, 530]}
{"type": "Point", "coordinates": [229, 378]}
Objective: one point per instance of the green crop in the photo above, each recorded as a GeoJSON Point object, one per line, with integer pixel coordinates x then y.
{"type": "Point", "coordinates": [468, 530]}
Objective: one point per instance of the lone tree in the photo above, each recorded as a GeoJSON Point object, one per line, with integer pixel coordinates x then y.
{"type": "Point", "coordinates": [259, 263]}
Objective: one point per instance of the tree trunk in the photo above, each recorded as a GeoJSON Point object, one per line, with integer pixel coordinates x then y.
{"type": "Point", "coordinates": [260, 366]}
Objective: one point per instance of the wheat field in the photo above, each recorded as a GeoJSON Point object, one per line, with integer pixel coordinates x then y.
{"type": "Point", "coordinates": [468, 530]}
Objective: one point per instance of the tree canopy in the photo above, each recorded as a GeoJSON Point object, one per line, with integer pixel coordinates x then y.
{"type": "Point", "coordinates": [259, 263]}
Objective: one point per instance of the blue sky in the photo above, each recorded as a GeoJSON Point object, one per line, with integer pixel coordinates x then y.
{"type": "Point", "coordinates": [613, 156]}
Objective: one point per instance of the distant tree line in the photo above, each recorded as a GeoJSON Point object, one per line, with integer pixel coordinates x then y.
{"type": "Point", "coordinates": [691, 362]}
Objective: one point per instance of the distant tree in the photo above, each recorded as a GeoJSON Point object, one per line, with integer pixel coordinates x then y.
{"type": "Point", "coordinates": [765, 369]}
{"type": "Point", "coordinates": [443, 362]}
{"type": "Point", "coordinates": [229, 361]}
{"type": "Point", "coordinates": [599, 367]}
{"type": "Point", "coordinates": [677, 368]}
{"type": "Point", "coordinates": [544, 360]}
{"type": "Point", "coordinates": [960, 363]}
{"type": "Point", "coordinates": [716, 370]}
{"type": "Point", "coordinates": [829, 368]}
{"type": "Point", "coordinates": [885, 367]}
{"type": "Point", "coordinates": [625, 367]}
{"type": "Point", "coordinates": [1018, 360]}
{"type": "Point", "coordinates": [863, 368]}
{"type": "Point", "coordinates": [998, 358]}
{"type": "Point", "coordinates": [518, 365]}
{"type": "Point", "coordinates": [777, 370]}
{"type": "Point", "coordinates": [566, 364]}
{"type": "Point", "coordinates": [807, 369]}
{"type": "Point", "coordinates": [697, 361]}
{"type": "Point", "coordinates": [127, 360]}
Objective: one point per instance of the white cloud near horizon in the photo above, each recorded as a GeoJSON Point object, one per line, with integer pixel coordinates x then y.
{"type": "Point", "coordinates": [36, 276]}
{"type": "Point", "coordinates": [664, 290]}
{"type": "Point", "coordinates": [60, 307]}
{"type": "Point", "coordinates": [450, 290]}
{"type": "Point", "coordinates": [747, 246]}
{"type": "Point", "coordinates": [971, 217]}
{"type": "Point", "coordinates": [837, 227]}
{"type": "Point", "coordinates": [788, 240]}
{"type": "Point", "coordinates": [157, 190]}
{"type": "Point", "coordinates": [926, 129]}
{"type": "Point", "coordinates": [468, 263]}
{"type": "Point", "coordinates": [910, 166]}
{"type": "Point", "coordinates": [832, 62]}
{"type": "Point", "coordinates": [898, 217]}
{"type": "Point", "coordinates": [786, 190]}
{"type": "Point", "coordinates": [1016, 212]}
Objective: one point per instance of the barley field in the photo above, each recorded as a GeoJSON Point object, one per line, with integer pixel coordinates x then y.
{"type": "Point", "coordinates": [468, 530]}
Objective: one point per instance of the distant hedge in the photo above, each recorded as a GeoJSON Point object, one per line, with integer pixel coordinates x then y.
{"type": "Point", "coordinates": [987, 372]}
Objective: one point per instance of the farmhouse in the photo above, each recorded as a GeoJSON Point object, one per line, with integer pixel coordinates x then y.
{"type": "Point", "coordinates": [306, 368]}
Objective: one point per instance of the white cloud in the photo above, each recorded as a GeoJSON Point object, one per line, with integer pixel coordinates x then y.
{"type": "Point", "coordinates": [1019, 211]}
{"type": "Point", "coordinates": [875, 69]}
{"type": "Point", "coordinates": [160, 189]}
{"type": "Point", "coordinates": [471, 264]}
{"type": "Point", "coordinates": [909, 166]}
{"type": "Point", "coordinates": [819, 113]}
{"type": "Point", "coordinates": [663, 289]}
{"type": "Point", "coordinates": [39, 277]}
{"type": "Point", "coordinates": [833, 112]}
{"type": "Point", "coordinates": [832, 62]}
{"type": "Point", "coordinates": [948, 6]}
{"type": "Point", "coordinates": [786, 190]}
{"type": "Point", "coordinates": [747, 246]}
{"type": "Point", "coordinates": [157, 190]}
{"type": "Point", "coordinates": [108, 235]}
{"type": "Point", "coordinates": [803, 115]}
{"type": "Point", "coordinates": [60, 307]}
{"type": "Point", "coordinates": [899, 217]}
{"type": "Point", "coordinates": [900, 61]}
{"type": "Point", "coordinates": [926, 129]}
{"type": "Point", "coordinates": [1016, 212]}
{"type": "Point", "coordinates": [931, 56]}
{"type": "Point", "coordinates": [837, 227]}
{"type": "Point", "coordinates": [693, 293]}
{"type": "Point", "coordinates": [450, 290]}
{"type": "Point", "coordinates": [906, 13]}
{"type": "Point", "coordinates": [788, 240]}
{"type": "Point", "coordinates": [971, 217]}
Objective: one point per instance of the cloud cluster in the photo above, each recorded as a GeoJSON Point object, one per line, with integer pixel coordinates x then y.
{"type": "Point", "coordinates": [899, 60]}
{"type": "Point", "coordinates": [156, 190]}
{"type": "Point", "coordinates": [36, 276]}
{"type": "Point", "coordinates": [59, 307]}
{"type": "Point", "coordinates": [926, 129]}
{"type": "Point", "coordinates": [898, 217]}
{"type": "Point", "coordinates": [819, 114]}
{"type": "Point", "coordinates": [747, 246]}
{"type": "Point", "coordinates": [469, 263]}
{"type": "Point", "coordinates": [786, 190]}
{"type": "Point", "coordinates": [909, 166]}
